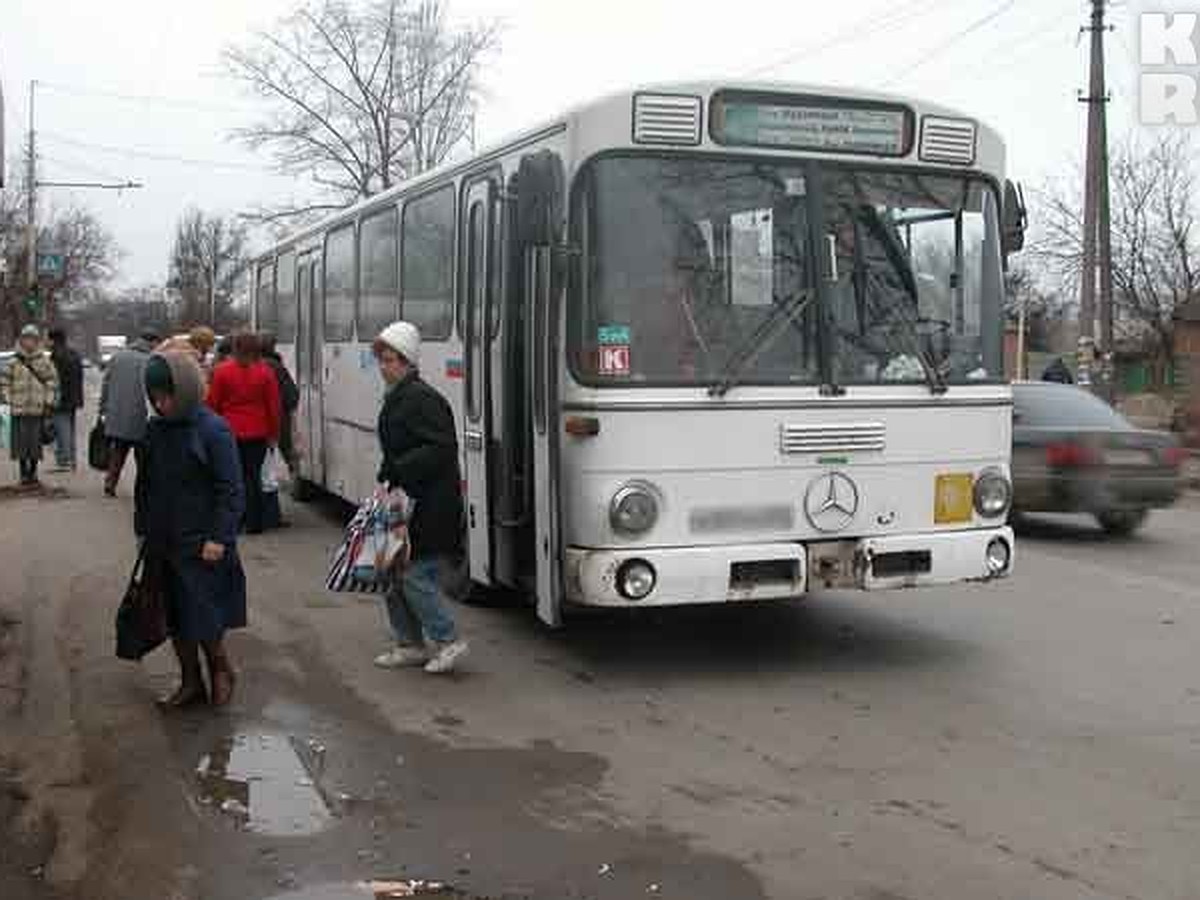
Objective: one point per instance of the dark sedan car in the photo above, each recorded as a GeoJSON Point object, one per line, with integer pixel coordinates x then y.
{"type": "Point", "coordinates": [1072, 452]}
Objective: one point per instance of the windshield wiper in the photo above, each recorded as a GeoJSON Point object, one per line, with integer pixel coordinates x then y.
{"type": "Point", "coordinates": [898, 258]}
{"type": "Point", "coordinates": [759, 339]}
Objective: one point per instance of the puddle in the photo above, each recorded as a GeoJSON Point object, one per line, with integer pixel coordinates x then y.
{"type": "Point", "coordinates": [382, 889]}
{"type": "Point", "coordinates": [268, 783]}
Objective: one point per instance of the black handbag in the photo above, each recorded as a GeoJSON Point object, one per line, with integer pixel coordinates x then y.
{"type": "Point", "coordinates": [98, 448]}
{"type": "Point", "coordinates": [142, 616]}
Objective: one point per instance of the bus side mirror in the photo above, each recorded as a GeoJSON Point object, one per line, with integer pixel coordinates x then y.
{"type": "Point", "coordinates": [1015, 218]}
{"type": "Point", "coordinates": [539, 199]}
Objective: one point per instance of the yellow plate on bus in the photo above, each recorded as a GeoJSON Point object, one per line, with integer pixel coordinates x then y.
{"type": "Point", "coordinates": [953, 502]}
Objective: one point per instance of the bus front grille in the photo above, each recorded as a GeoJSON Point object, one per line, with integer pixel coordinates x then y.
{"type": "Point", "coordinates": [852, 437]}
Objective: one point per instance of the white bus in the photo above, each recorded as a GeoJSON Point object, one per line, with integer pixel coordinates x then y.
{"type": "Point", "coordinates": [705, 343]}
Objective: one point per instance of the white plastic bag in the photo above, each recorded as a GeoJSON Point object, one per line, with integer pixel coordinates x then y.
{"type": "Point", "coordinates": [270, 472]}
{"type": "Point", "coordinates": [5, 426]}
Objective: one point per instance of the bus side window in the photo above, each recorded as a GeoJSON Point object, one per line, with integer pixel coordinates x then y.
{"type": "Point", "coordinates": [428, 264]}
{"type": "Point", "coordinates": [339, 284]}
{"type": "Point", "coordinates": [266, 311]}
{"type": "Point", "coordinates": [378, 300]}
{"type": "Point", "coordinates": [285, 299]}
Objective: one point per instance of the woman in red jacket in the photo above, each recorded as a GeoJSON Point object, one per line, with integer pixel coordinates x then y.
{"type": "Point", "coordinates": [245, 392]}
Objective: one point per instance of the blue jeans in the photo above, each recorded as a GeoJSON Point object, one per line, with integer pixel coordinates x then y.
{"type": "Point", "coordinates": [64, 439]}
{"type": "Point", "coordinates": [417, 607]}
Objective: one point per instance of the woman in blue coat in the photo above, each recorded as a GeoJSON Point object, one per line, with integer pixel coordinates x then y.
{"type": "Point", "coordinates": [189, 504]}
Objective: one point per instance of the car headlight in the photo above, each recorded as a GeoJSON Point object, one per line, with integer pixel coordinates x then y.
{"type": "Point", "coordinates": [993, 493]}
{"type": "Point", "coordinates": [634, 509]}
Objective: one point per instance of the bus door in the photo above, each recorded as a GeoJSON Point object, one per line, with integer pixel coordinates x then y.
{"type": "Point", "coordinates": [309, 367]}
{"type": "Point", "coordinates": [539, 200]}
{"type": "Point", "coordinates": [479, 256]}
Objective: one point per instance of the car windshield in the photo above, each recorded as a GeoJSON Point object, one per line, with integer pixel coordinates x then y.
{"type": "Point", "coordinates": [716, 272]}
{"type": "Point", "coordinates": [1063, 407]}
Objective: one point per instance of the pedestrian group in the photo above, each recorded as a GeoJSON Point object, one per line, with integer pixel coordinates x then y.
{"type": "Point", "coordinates": [207, 422]}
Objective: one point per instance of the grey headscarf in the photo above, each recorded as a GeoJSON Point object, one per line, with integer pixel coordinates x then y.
{"type": "Point", "coordinates": [178, 372]}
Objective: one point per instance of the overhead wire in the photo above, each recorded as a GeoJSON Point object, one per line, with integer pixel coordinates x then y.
{"type": "Point", "coordinates": [151, 99]}
{"type": "Point", "coordinates": [158, 156]}
{"type": "Point", "coordinates": [868, 26]}
{"type": "Point", "coordinates": [949, 42]}
{"type": "Point", "coordinates": [1017, 49]}
{"type": "Point", "coordinates": [72, 165]}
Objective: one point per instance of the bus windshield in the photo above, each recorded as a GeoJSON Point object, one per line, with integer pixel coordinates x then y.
{"type": "Point", "coordinates": [716, 272]}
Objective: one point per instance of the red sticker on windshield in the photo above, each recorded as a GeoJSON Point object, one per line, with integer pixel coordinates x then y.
{"type": "Point", "coordinates": [614, 359]}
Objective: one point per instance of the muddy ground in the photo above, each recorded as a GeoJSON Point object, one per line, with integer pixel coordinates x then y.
{"type": "Point", "coordinates": [1032, 739]}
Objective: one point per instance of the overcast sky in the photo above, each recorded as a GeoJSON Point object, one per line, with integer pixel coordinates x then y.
{"type": "Point", "coordinates": [1016, 64]}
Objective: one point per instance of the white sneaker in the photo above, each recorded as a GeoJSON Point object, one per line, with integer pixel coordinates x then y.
{"type": "Point", "coordinates": [403, 655]}
{"type": "Point", "coordinates": [446, 657]}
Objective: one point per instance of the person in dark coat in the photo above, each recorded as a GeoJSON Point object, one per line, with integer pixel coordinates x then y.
{"type": "Point", "coordinates": [189, 506]}
{"type": "Point", "coordinates": [69, 365]}
{"type": "Point", "coordinates": [420, 456]}
{"type": "Point", "coordinates": [289, 397]}
{"type": "Point", "coordinates": [1058, 372]}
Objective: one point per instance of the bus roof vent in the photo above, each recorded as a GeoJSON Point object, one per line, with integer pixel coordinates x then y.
{"type": "Point", "coordinates": [947, 140]}
{"type": "Point", "coordinates": [666, 119]}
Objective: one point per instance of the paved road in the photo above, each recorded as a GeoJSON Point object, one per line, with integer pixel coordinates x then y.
{"type": "Point", "coordinates": [1037, 738]}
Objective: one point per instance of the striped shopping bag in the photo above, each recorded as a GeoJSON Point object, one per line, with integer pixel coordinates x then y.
{"type": "Point", "coordinates": [375, 541]}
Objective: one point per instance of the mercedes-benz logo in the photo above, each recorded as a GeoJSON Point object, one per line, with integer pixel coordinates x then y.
{"type": "Point", "coordinates": [831, 502]}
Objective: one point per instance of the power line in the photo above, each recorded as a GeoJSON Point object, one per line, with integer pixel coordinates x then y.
{"type": "Point", "coordinates": [157, 156]}
{"type": "Point", "coordinates": [865, 27]}
{"type": "Point", "coordinates": [155, 99]}
{"type": "Point", "coordinates": [953, 39]}
{"type": "Point", "coordinates": [73, 165]}
{"type": "Point", "coordinates": [121, 186]}
{"type": "Point", "coordinates": [1016, 50]}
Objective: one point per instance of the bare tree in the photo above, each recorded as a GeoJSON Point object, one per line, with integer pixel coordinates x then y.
{"type": "Point", "coordinates": [1155, 236]}
{"type": "Point", "coordinates": [210, 252]}
{"type": "Point", "coordinates": [362, 94]}
{"type": "Point", "coordinates": [89, 250]}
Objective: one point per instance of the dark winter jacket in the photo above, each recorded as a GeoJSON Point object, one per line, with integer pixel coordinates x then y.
{"type": "Point", "coordinates": [289, 393]}
{"type": "Point", "coordinates": [1058, 371]}
{"type": "Point", "coordinates": [189, 491]}
{"type": "Point", "coordinates": [420, 455]}
{"type": "Point", "coordinates": [189, 488]}
{"type": "Point", "coordinates": [70, 377]}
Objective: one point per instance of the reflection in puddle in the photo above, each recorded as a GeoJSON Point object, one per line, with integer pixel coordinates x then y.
{"type": "Point", "coordinates": [267, 783]}
{"type": "Point", "coordinates": [374, 890]}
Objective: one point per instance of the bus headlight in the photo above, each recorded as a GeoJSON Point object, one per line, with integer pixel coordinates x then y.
{"type": "Point", "coordinates": [634, 509]}
{"type": "Point", "coordinates": [993, 493]}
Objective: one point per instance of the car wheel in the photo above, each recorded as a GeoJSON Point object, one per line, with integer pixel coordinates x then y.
{"type": "Point", "coordinates": [1121, 522]}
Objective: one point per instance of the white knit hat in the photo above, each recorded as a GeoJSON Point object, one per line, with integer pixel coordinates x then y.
{"type": "Point", "coordinates": [404, 338]}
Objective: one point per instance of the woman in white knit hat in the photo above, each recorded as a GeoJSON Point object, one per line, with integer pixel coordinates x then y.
{"type": "Point", "coordinates": [420, 456]}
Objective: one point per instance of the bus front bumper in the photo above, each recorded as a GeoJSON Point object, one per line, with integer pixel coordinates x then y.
{"type": "Point", "coordinates": [776, 571]}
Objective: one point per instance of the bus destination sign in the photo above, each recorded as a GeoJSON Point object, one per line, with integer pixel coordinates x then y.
{"type": "Point", "coordinates": [812, 125]}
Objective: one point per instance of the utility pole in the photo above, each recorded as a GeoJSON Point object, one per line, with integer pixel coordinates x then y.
{"type": "Point", "coordinates": [31, 199]}
{"type": "Point", "coordinates": [31, 187]}
{"type": "Point", "coordinates": [1097, 244]}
